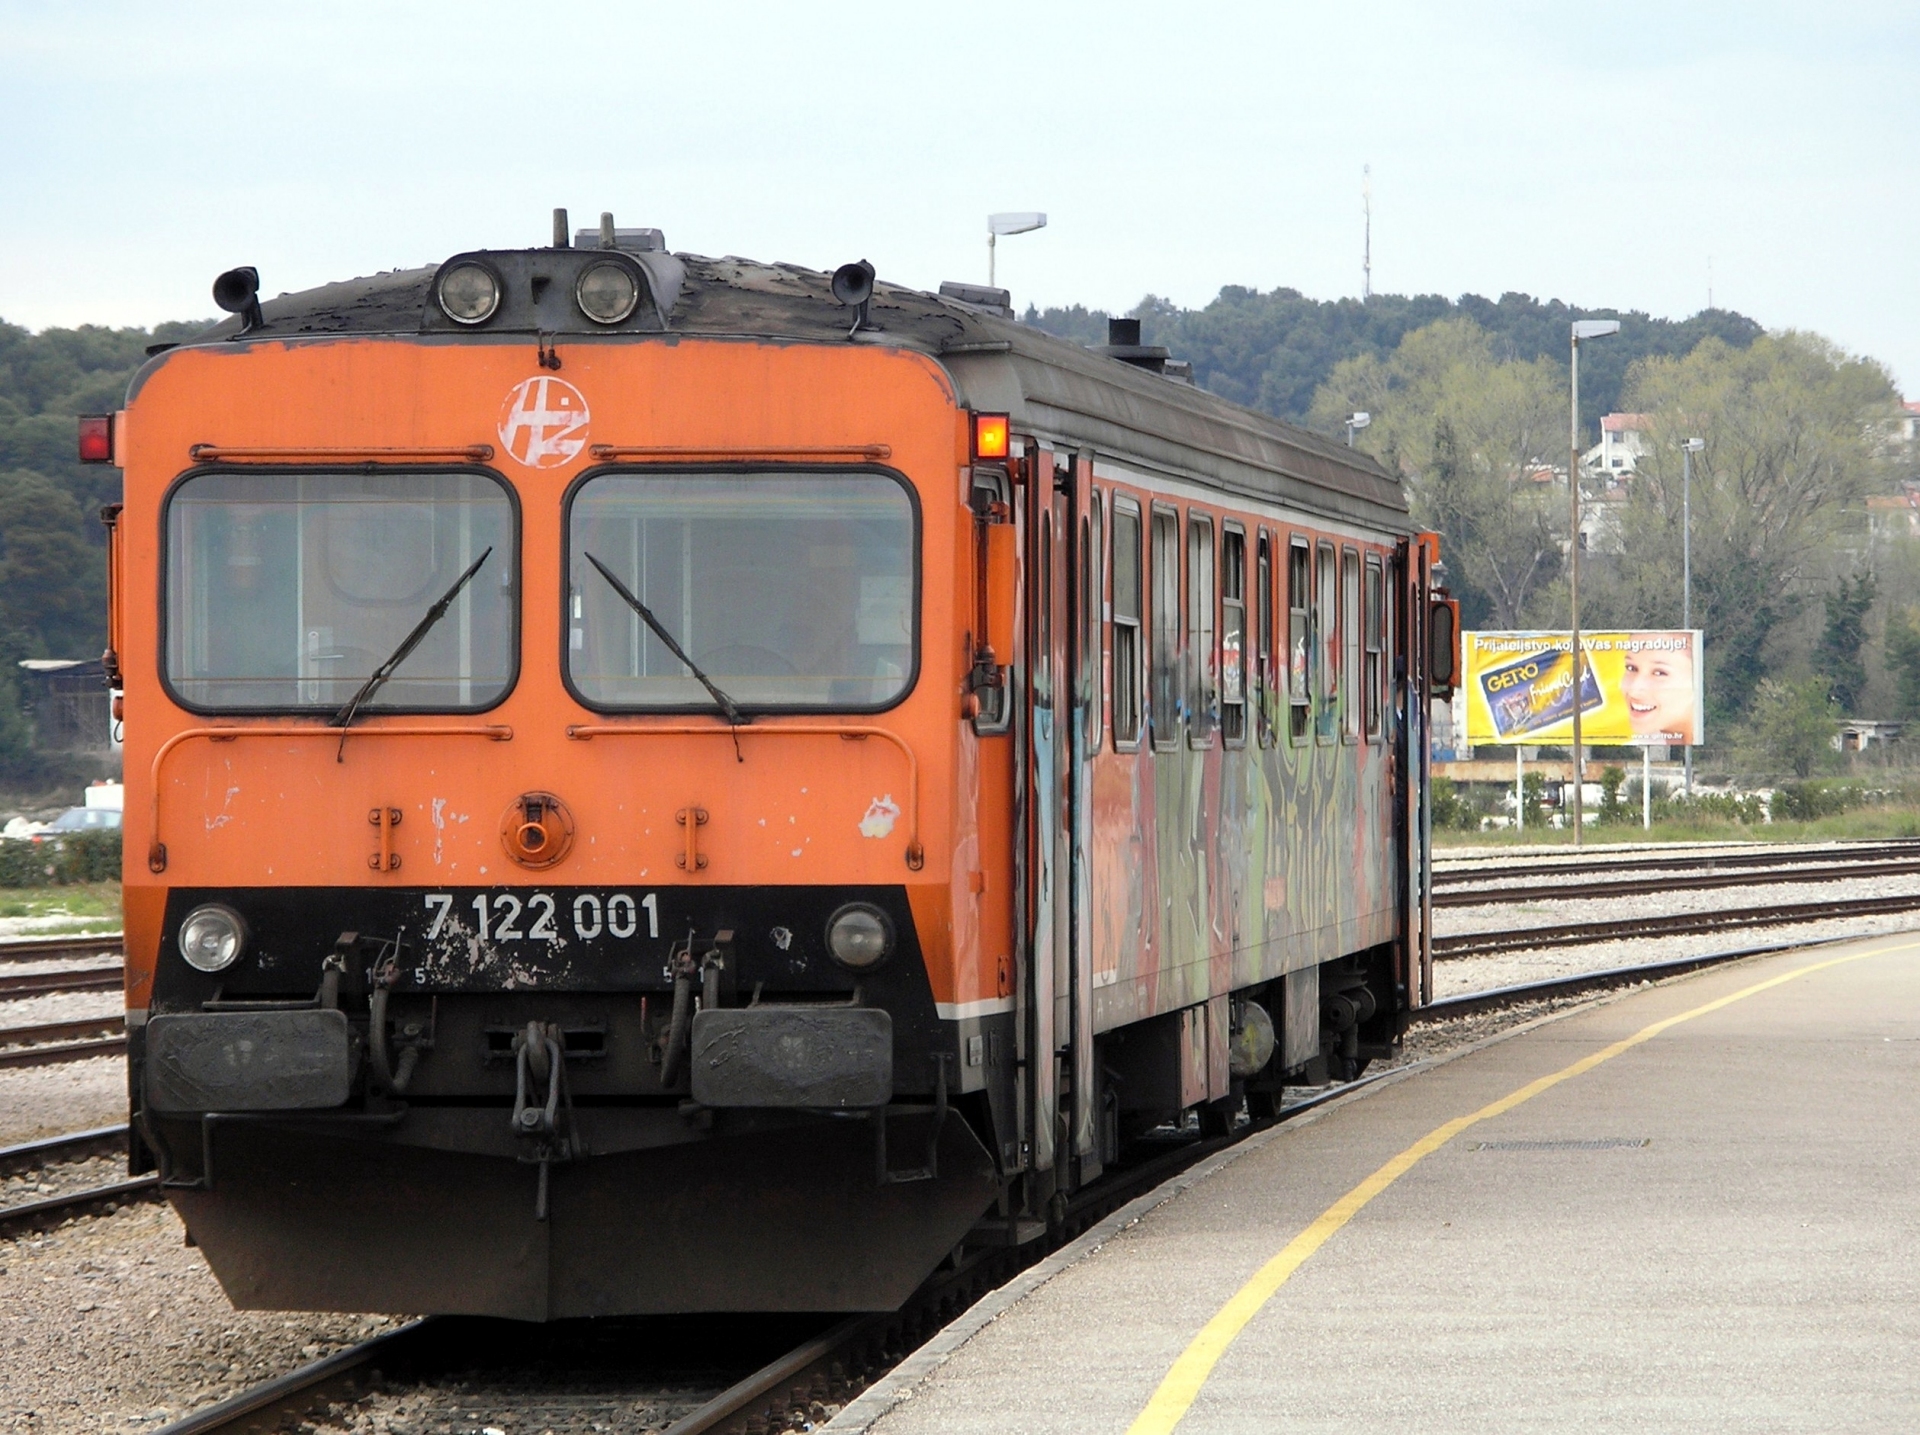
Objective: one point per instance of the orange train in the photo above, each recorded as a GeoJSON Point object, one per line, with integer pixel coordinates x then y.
{"type": "Point", "coordinates": [660, 783]}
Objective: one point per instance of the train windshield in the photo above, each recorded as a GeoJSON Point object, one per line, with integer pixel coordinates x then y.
{"type": "Point", "coordinates": [286, 591]}
{"type": "Point", "coordinates": [790, 591]}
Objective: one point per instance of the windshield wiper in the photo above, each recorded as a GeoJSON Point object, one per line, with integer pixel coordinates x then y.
{"type": "Point", "coordinates": [733, 714]}
{"type": "Point", "coordinates": [377, 679]}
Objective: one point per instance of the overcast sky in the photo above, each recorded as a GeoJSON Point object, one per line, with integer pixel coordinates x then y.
{"type": "Point", "coordinates": [1603, 154]}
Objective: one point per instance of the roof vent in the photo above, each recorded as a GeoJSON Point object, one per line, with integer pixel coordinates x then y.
{"type": "Point", "coordinates": [1123, 343]}
{"type": "Point", "coordinates": [979, 296]}
{"type": "Point", "coordinates": [634, 241]}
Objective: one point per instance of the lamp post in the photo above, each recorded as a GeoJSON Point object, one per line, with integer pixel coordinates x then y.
{"type": "Point", "coordinates": [1355, 422]}
{"type": "Point", "coordinates": [1582, 329]}
{"type": "Point", "coordinates": [1688, 448]}
{"type": "Point", "coordinates": [1020, 222]}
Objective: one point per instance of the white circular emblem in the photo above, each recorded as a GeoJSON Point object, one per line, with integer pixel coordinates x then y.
{"type": "Point", "coordinates": [543, 423]}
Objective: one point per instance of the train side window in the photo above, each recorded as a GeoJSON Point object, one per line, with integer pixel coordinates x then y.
{"type": "Point", "coordinates": [1092, 609]}
{"type": "Point", "coordinates": [1233, 636]}
{"type": "Point", "coordinates": [1395, 675]}
{"type": "Point", "coordinates": [1203, 658]}
{"type": "Point", "coordinates": [1326, 646]}
{"type": "Point", "coordinates": [1126, 624]}
{"type": "Point", "coordinates": [1352, 713]}
{"type": "Point", "coordinates": [1164, 694]}
{"type": "Point", "coordinates": [1263, 630]}
{"type": "Point", "coordinates": [1299, 637]}
{"type": "Point", "coordinates": [1376, 630]}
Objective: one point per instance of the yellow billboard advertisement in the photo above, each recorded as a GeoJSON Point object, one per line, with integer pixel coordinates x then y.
{"type": "Point", "coordinates": [1641, 687]}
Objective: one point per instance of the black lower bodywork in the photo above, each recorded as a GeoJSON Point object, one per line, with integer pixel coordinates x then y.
{"type": "Point", "coordinates": [442, 1184]}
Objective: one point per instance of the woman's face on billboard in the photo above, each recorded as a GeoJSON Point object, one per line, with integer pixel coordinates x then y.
{"type": "Point", "coordinates": [1658, 688]}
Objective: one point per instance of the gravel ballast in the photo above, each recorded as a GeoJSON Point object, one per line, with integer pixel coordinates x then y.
{"type": "Point", "coordinates": [112, 1323]}
{"type": "Point", "coordinates": [38, 1101]}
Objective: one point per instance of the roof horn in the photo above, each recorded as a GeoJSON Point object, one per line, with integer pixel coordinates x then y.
{"type": "Point", "coordinates": [853, 286]}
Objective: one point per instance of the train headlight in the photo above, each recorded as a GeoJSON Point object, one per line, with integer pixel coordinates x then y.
{"type": "Point", "coordinates": [213, 937]}
{"type": "Point", "coordinates": [859, 936]}
{"type": "Point", "coordinates": [607, 292]}
{"type": "Point", "coordinates": [469, 293]}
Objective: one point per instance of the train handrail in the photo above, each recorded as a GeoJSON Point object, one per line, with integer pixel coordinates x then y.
{"type": "Point", "coordinates": [873, 452]}
{"type": "Point", "coordinates": [916, 854]}
{"type": "Point", "coordinates": [226, 453]}
{"type": "Point", "coordinates": [157, 851]}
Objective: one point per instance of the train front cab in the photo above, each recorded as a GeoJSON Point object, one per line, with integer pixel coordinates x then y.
{"type": "Point", "coordinates": [556, 992]}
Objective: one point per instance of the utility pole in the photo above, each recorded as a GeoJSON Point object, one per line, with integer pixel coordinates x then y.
{"type": "Point", "coordinates": [1688, 448]}
{"type": "Point", "coordinates": [1366, 247]}
{"type": "Point", "coordinates": [1582, 329]}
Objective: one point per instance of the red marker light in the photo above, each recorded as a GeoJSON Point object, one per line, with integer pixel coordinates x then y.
{"type": "Point", "coordinates": [96, 438]}
{"type": "Point", "coordinates": [991, 436]}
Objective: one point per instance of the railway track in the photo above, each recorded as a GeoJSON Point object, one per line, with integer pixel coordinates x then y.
{"type": "Point", "coordinates": [31, 1156]}
{"type": "Point", "coordinates": [824, 1367]}
{"type": "Point", "coordinates": [1571, 934]}
{"type": "Point", "coordinates": [1742, 855]}
{"type": "Point", "coordinates": [40, 949]}
{"type": "Point", "coordinates": [50, 1043]}
{"type": "Point", "coordinates": [1642, 886]}
{"type": "Point", "coordinates": [1634, 875]}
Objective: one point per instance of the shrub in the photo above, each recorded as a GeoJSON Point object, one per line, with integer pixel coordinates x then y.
{"type": "Point", "coordinates": [1810, 801]}
{"type": "Point", "coordinates": [75, 857]}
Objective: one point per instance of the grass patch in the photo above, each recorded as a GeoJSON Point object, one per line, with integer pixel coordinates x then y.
{"type": "Point", "coordinates": [83, 906]}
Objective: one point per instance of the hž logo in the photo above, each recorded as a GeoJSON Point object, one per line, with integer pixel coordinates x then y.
{"type": "Point", "coordinates": [543, 423]}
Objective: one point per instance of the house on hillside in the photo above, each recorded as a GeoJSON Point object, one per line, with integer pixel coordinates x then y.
{"type": "Point", "coordinates": [1894, 517]}
{"type": "Point", "coordinates": [1623, 443]}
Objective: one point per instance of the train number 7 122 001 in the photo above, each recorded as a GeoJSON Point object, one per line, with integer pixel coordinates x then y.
{"type": "Point", "coordinates": [543, 917]}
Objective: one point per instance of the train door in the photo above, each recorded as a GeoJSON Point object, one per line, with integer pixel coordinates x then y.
{"type": "Point", "coordinates": [1085, 594]}
{"type": "Point", "coordinates": [1045, 908]}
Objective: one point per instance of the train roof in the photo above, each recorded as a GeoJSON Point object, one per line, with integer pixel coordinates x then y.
{"type": "Point", "coordinates": [1054, 388]}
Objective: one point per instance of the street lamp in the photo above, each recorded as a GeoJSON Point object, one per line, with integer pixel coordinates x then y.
{"type": "Point", "coordinates": [1582, 329]}
{"type": "Point", "coordinates": [1019, 222]}
{"type": "Point", "coordinates": [1688, 448]}
{"type": "Point", "coordinates": [1355, 422]}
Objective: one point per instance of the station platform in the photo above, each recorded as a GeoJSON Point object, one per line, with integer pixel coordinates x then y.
{"type": "Point", "coordinates": [1692, 1207]}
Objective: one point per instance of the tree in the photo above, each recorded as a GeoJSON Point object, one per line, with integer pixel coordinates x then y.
{"type": "Point", "coordinates": [1475, 436]}
{"type": "Point", "coordinates": [1837, 657]}
{"type": "Point", "coordinates": [1903, 660]}
{"type": "Point", "coordinates": [1274, 351]}
{"type": "Point", "coordinates": [1791, 724]}
{"type": "Point", "coordinates": [1791, 426]}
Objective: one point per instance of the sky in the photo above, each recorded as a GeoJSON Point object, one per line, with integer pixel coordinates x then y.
{"type": "Point", "coordinates": [1622, 155]}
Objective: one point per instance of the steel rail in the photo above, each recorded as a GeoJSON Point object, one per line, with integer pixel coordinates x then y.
{"type": "Point", "coordinates": [37, 1151]}
{"type": "Point", "coordinates": [30, 1155]}
{"type": "Point", "coordinates": [1470, 1003]}
{"type": "Point", "coordinates": [62, 1030]}
{"type": "Point", "coordinates": [55, 1053]}
{"type": "Point", "coordinates": [18, 985]}
{"type": "Point", "coordinates": [29, 1212]}
{"type": "Point", "coordinates": [1666, 861]}
{"type": "Point", "coordinates": [40, 949]}
{"type": "Point", "coordinates": [302, 1382]}
{"type": "Point", "coordinates": [1637, 887]}
{"type": "Point", "coordinates": [50, 1043]}
{"type": "Point", "coordinates": [1573, 934]}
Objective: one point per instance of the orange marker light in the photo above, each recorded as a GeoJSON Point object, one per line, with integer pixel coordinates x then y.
{"type": "Point", "coordinates": [991, 436]}
{"type": "Point", "coordinates": [96, 438]}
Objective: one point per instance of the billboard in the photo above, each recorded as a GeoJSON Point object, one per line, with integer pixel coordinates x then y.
{"type": "Point", "coordinates": [1640, 687]}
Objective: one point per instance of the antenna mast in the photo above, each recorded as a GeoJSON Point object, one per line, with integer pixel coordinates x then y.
{"type": "Point", "coordinates": [1366, 249]}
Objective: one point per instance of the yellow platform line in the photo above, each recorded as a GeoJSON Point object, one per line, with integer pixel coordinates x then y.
{"type": "Point", "coordinates": [1177, 1392]}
